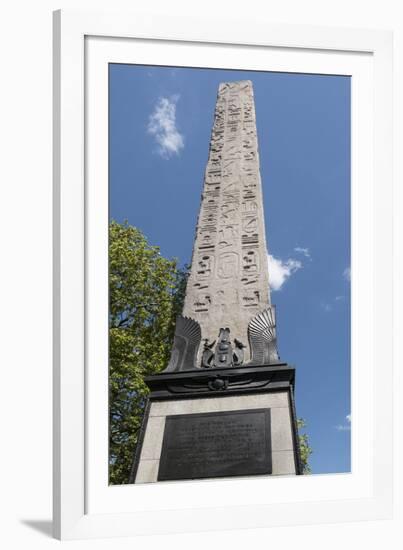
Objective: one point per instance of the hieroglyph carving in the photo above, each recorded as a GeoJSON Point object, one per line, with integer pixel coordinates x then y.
{"type": "Point", "coordinates": [228, 284]}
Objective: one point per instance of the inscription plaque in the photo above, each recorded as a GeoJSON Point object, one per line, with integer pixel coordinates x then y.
{"type": "Point", "coordinates": [219, 444]}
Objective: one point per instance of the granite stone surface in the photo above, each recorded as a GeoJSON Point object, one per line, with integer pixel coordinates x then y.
{"type": "Point", "coordinates": [283, 459]}
{"type": "Point", "coordinates": [229, 280]}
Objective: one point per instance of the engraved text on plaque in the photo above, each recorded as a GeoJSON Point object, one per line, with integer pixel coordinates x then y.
{"type": "Point", "coordinates": [216, 445]}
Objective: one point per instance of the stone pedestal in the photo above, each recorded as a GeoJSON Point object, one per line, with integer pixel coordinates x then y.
{"type": "Point", "coordinates": [218, 423]}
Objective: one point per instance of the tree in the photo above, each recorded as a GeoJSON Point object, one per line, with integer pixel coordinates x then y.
{"type": "Point", "coordinates": [146, 293]}
{"type": "Point", "coordinates": [305, 449]}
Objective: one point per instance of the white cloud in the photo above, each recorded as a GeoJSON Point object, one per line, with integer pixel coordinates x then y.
{"type": "Point", "coordinates": [304, 251]}
{"type": "Point", "coordinates": [280, 271]}
{"type": "Point", "coordinates": [347, 274]}
{"type": "Point", "coordinates": [162, 125]}
{"type": "Point", "coordinates": [344, 427]}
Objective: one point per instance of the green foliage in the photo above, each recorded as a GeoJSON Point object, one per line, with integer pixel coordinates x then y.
{"type": "Point", "coordinates": [305, 449]}
{"type": "Point", "coordinates": [146, 292]}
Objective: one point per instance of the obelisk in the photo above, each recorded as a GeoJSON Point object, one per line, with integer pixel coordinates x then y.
{"type": "Point", "coordinates": [224, 404]}
{"type": "Point", "coordinates": [229, 280]}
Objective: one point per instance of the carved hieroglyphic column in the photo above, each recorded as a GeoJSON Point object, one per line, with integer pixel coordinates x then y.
{"type": "Point", "coordinates": [229, 283]}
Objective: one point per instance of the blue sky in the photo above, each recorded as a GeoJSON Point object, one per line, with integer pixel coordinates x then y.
{"type": "Point", "coordinates": [160, 125]}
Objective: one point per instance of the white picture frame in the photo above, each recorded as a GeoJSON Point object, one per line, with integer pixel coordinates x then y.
{"type": "Point", "coordinates": [84, 505]}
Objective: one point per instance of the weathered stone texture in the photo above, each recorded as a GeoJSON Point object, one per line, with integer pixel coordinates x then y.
{"type": "Point", "coordinates": [228, 283]}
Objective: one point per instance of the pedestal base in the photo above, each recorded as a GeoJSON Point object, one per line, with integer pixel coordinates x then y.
{"type": "Point", "coordinates": [247, 427]}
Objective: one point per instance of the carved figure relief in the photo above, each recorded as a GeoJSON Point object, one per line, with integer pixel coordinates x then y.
{"type": "Point", "coordinates": [231, 173]}
{"type": "Point", "coordinates": [231, 197]}
{"type": "Point", "coordinates": [249, 191]}
{"type": "Point", "coordinates": [213, 177]}
{"type": "Point", "coordinates": [248, 280]}
{"type": "Point", "coordinates": [249, 224]}
{"type": "Point", "coordinates": [215, 163]}
{"type": "Point", "coordinates": [227, 236]}
{"type": "Point", "coordinates": [249, 155]}
{"type": "Point", "coordinates": [211, 193]}
{"type": "Point", "coordinates": [225, 354]}
{"type": "Point", "coordinates": [209, 217]}
{"type": "Point", "coordinates": [210, 204]}
{"type": "Point", "coordinates": [249, 169]}
{"type": "Point", "coordinates": [229, 210]}
{"type": "Point", "coordinates": [228, 163]}
{"type": "Point", "coordinates": [220, 110]}
{"type": "Point", "coordinates": [248, 110]}
{"type": "Point", "coordinates": [217, 142]}
{"type": "Point", "coordinates": [200, 286]}
{"type": "Point", "coordinates": [230, 187]}
{"type": "Point", "coordinates": [231, 168]}
{"type": "Point", "coordinates": [251, 298]}
{"type": "Point", "coordinates": [223, 351]}
{"type": "Point", "coordinates": [248, 143]}
{"type": "Point", "coordinates": [249, 128]}
{"type": "Point", "coordinates": [227, 296]}
{"type": "Point", "coordinates": [205, 266]}
{"type": "Point", "coordinates": [234, 106]}
{"type": "Point", "coordinates": [250, 261]}
{"type": "Point", "coordinates": [250, 239]}
{"type": "Point", "coordinates": [207, 238]}
{"type": "Point", "coordinates": [208, 354]}
{"type": "Point", "coordinates": [249, 206]}
{"type": "Point", "coordinates": [228, 265]}
{"type": "Point", "coordinates": [202, 302]}
{"type": "Point", "coordinates": [219, 121]}
{"type": "Point", "coordinates": [233, 152]}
